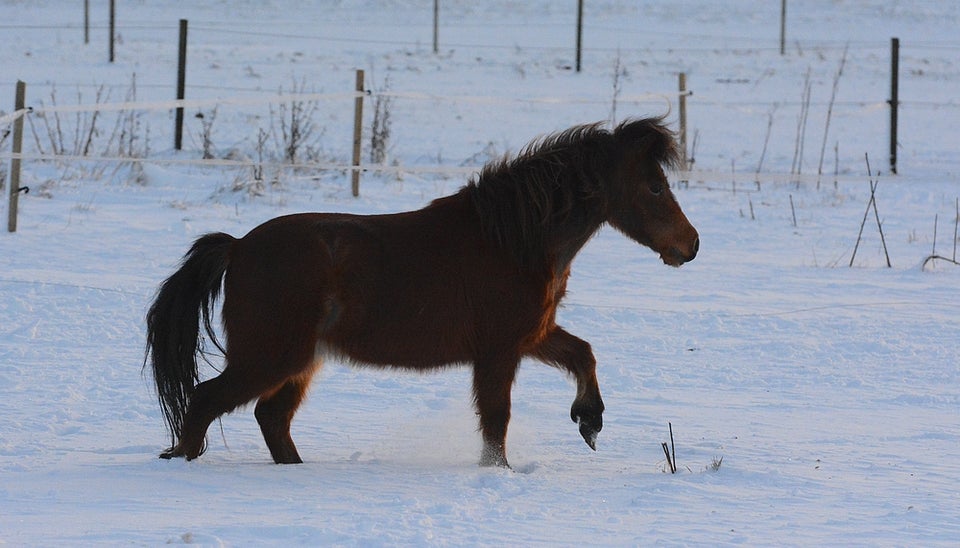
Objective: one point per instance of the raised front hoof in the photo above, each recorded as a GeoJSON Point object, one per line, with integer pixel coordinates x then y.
{"type": "Point", "coordinates": [589, 433]}
{"type": "Point", "coordinates": [590, 421]}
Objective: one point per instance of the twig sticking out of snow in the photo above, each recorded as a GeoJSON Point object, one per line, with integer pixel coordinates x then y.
{"type": "Point", "coordinates": [872, 202]}
{"type": "Point", "coordinates": [833, 97]}
{"type": "Point", "coordinates": [933, 252]}
{"type": "Point", "coordinates": [671, 458]}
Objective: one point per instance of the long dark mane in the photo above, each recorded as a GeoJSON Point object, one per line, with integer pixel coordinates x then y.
{"type": "Point", "coordinates": [561, 180]}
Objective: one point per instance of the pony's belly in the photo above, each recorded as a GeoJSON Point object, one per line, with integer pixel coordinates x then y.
{"type": "Point", "coordinates": [404, 342]}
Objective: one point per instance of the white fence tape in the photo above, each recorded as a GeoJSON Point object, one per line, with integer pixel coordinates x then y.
{"type": "Point", "coordinates": [181, 103]}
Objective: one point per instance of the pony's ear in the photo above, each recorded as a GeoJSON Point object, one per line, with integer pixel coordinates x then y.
{"type": "Point", "coordinates": [652, 138]}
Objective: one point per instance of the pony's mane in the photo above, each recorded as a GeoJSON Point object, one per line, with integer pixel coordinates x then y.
{"type": "Point", "coordinates": [558, 184]}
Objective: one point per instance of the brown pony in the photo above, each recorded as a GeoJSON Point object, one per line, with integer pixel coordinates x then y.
{"type": "Point", "coordinates": [474, 278]}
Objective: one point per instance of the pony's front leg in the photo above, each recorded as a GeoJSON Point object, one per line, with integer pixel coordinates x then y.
{"type": "Point", "coordinates": [563, 350]}
{"type": "Point", "coordinates": [492, 382]}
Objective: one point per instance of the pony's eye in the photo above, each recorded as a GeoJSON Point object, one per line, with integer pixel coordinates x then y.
{"type": "Point", "coordinates": [656, 189]}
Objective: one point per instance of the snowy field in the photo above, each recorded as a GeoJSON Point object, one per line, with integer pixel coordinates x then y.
{"type": "Point", "coordinates": [831, 393]}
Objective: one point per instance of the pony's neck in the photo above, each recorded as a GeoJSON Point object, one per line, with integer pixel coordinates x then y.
{"type": "Point", "coordinates": [571, 237]}
{"type": "Point", "coordinates": [535, 238]}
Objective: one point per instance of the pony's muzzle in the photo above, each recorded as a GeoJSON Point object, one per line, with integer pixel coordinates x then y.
{"type": "Point", "coordinates": [677, 256]}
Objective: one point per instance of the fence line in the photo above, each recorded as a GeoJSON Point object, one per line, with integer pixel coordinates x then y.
{"type": "Point", "coordinates": [304, 97]}
{"type": "Point", "coordinates": [356, 167]}
{"type": "Point", "coordinates": [746, 42]}
{"type": "Point", "coordinates": [652, 97]}
{"type": "Point", "coordinates": [744, 177]}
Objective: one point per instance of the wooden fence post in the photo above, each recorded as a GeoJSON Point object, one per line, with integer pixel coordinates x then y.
{"type": "Point", "coordinates": [436, 26]}
{"type": "Point", "coordinates": [113, 19]}
{"type": "Point", "coordinates": [15, 161]}
{"type": "Point", "coordinates": [579, 31]}
{"type": "Point", "coordinates": [894, 100]}
{"type": "Point", "coordinates": [181, 85]}
{"type": "Point", "coordinates": [783, 26]}
{"type": "Point", "coordinates": [683, 120]}
{"type": "Point", "coordinates": [357, 134]}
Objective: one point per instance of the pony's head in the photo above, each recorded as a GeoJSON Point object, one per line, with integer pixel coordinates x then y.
{"type": "Point", "coordinates": [640, 202]}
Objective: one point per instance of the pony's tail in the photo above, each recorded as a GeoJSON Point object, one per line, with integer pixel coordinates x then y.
{"type": "Point", "coordinates": [174, 320]}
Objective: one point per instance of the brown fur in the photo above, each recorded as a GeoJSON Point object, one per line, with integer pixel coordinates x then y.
{"type": "Point", "coordinates": [473, 278]}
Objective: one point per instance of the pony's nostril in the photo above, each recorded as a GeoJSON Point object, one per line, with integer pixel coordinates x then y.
{"type": "Point", "coordinates": [692, 251]}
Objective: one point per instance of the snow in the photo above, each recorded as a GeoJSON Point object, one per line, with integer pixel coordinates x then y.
{"type": "Point", "coordinates": [831, 393]}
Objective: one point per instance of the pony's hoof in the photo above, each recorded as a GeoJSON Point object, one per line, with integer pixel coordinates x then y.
{"type": "Point", "coordinates": [178, 452]}
{"type": "Point", "coordinates": [170, 454]}
{"type": "Point", "coordinates": [501, 463]}
{"type": "Point", "coordinates": [589, 434]}
{"type": "Point", "coordinates": [493, 456]}
{"type": "Point", "coordinates": [590, 419]}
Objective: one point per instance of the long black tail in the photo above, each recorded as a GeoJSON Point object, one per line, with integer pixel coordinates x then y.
{"type": "Point", "coordinates": [174, 338]}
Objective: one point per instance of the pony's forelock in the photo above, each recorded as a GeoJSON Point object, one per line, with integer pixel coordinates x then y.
{"type": "Point", "coordinates": [653, 138]}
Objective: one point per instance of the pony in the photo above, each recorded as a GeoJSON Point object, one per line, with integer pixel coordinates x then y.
{"type": "Point", "coordinates": [472, 279]}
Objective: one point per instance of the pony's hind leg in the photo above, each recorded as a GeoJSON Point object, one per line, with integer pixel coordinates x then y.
{"type": "Point", "coordinates": [274, 413]}
{"type": "Point", "coordinates": [210, 399]}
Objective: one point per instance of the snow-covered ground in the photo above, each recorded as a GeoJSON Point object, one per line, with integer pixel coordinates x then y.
{"type": "Point", "coordinates": [832, 394]}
